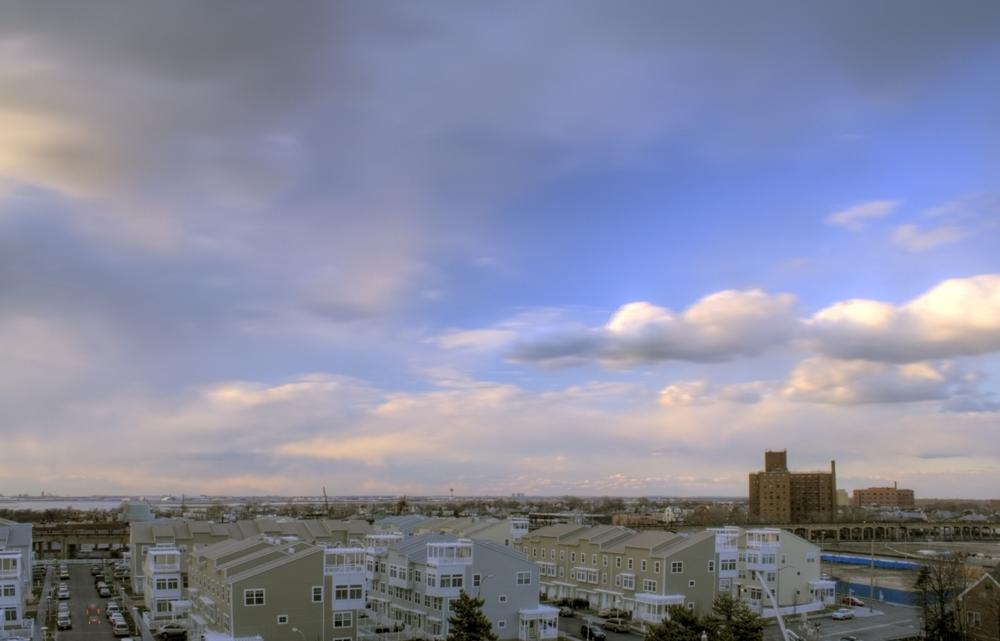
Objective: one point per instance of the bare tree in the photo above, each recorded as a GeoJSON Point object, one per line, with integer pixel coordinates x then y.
{"type": "Point", "coordinates": [938, 585]}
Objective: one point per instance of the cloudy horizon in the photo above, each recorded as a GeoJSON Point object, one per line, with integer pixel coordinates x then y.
{"type": "Point", "coordinates": [571, 248]}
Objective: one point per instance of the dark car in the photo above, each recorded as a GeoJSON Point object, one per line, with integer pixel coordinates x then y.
{"type": "Point", "coordinates": [565, 611]}
{"type": "Point", "coordinates": [592, 631]}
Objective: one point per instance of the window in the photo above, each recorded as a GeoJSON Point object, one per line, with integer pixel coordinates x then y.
{"type": "Point", "coordinates": [649, 585]}
{"type": "Point", "coordinates": [974, 619]}
{"type": "Point", "coordinates": [691, 583]}
{"type": "Point", "coordinates": [343, 619]}
{"type": "Point", "coordinates": [432, 580]}
{"type": "Point", "coordinates": [770, 578]}
{"type": "Point", "coordinates": [628, 581]}
{"type": "Point", "coordinates": [282, 619]}
{"type": "Point", "coordinates": [253, 597]}
{"type": "Point", "coordinates": [642, 565]}
{"type": "Point", "coordinates": [562, 555]}
{"type": "Point", "coordinates": [523, 578]}
{"type": "Point", "coordinates": [691, 605]}
{"type": "Point", "coordinates": [593, 559]}
{"type": "Point", "coordinates": [163, 606]}
{"type": "Point", "coordinates": [711, 565]}
{"type": "Point", "coordinates": [166, 584]}
{"type": "Point", "coordinates": [630, 563]}
{"type": "Point", "coordinates": [534, 552]}
{"type": "Point", "coordinates": [552, 554]}
{"type": "Point", "coordinates": [418, 576]}
{"type": "Point", "coordinates": [317, 594]}
{"type": "Point", "coordinates": [572, 557]}
{"type": "Point", "coordinates": [656, 567]}
{"type": "Point", "coordinates": [618, 562]}
{"type": "Point", "coordinates": [10, 615]}
{"type": "Point", "coordinates": [604, 560]}
{"type": "Point", "coordinates": [562, 571]}
{"type": "Point", "coordinates": [501, 624]}
{"type": "Point", "coordinates": [451, 580]}
{"type": "Point", "coordinates": [502, 598]}
{"type": "Point", "coordinates": [677, 567]}
{"type": "Point", "coordinates": [8, 589]}
{"type": "Point", "coordinates": [604, 578]}
{"type": "Point", "coordinates": [477, 580]}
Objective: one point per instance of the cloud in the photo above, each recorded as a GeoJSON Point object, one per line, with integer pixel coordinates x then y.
{"type": "Point", "coordinates": [959, 316]}
{"type": "Point", "coordinates": [716, 328]}
{"type": "Point", "coordinates": [702, 393]}
{"type": "Point", "coordinates": [913, 239]}
{"type": "Point", "coordinates": [825, 380]}
{"type": "Point", "coordinates": [475, 339]}
{"type": "Point", "coordinates": [857, 216]}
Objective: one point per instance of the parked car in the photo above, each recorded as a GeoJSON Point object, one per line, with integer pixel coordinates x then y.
{"type": "Point", "coordinates": [850, 637]}
{"type": "Point", "coordinates": [95, 570]}
{"type": "Point", "coordinates": [171, 632]}
{"type": "Point", "coordinates": [64, 622]}
{"type": "Point", "coordinates": [104, 591]}
{"type": "Point", "coordinates": [592, 631]}
{"type": "Point", "coordinates": [112, 608]}
{"type": "Point", "coordinates": [565, 611]}
{"type": "Point", "coordinates": [852, 600]}
{"type": "Point", "coordinates": [63, 592]}
{"type": "Point", "coordinates": [614, 613]}
{"type": "Point", "coordinates": [119, 628]}
{"type": "Point", "coordinates": [842, 614]}
{"type": "Point", "coordinates": [616, 625]}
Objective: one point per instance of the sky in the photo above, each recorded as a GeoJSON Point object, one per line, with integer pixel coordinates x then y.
{"type": "Point", "coordinates": [585, 248]}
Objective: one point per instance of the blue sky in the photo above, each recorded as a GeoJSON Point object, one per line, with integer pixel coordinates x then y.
{"type": "Point", "coordinates": [571, 248]}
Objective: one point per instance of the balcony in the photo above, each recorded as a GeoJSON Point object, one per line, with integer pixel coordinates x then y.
{"type": "Point", "coordinates": [766, 540]}
{"type": "Point", "coordinates": [350, 596]}
{"type": "Point", "coordinates": [379, 544]}
{"type": "Point", "coordinates": [345, 564]}
{"type": "Point", "coordinates": [450, 553]}
{"type": "Point", "coordinates": [162, 560]}
{"type": "Point", "coordinates": [537, 623]}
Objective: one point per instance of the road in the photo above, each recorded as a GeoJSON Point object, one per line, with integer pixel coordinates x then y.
{"type": "Point", "coordinates": [895, 621]}
{"type": "Point", "coordinates": [86, 608]}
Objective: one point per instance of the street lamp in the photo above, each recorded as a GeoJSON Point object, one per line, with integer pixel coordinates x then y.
{"type": "Point", "coordinates": [301, 634]}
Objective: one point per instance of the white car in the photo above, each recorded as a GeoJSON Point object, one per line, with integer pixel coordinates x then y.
{"type": "Point", "coordinates": [842, 614]}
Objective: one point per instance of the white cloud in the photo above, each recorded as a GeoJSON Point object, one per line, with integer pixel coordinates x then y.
{"type": "Point", "coordinates": [826, 380]}
{"type": "Point", "coordinates": [959, 316]}
{"type": "Point", "coordinates": [718, 327]}
{"type": "Point", "coordinates": [914, 239]}
{"type": "Point", "coordinates": [475, 339]}
{"type": "Point", "coordinates": [857, 216]}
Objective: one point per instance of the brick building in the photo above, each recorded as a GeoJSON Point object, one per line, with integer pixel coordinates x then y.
{"type": "Point", "coordinates": [884, 497]}
{"type": "Point", "coordinates": [780, 496]}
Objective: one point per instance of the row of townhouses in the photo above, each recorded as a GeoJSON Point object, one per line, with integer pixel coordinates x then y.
{"type": "Point", "coordinates": [331, 581]}
{"type": "Point", "coordinates": [15, 575]}
{"type": "Point", "coordinates": [644, 573]}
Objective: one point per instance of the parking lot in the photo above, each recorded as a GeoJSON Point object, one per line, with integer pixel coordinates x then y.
{"type": "Point", "coordinates": [885, 622]}
{"type": "Point", "coordinates": [86, 608]}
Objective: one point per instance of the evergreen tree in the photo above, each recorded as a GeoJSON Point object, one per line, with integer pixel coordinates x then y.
{"type": "Point", "coordinates": [467, 622]}
{"type": "Point", "coordinates": [680, 624]}
{"type": "Point", "coordinates": [735, 621]}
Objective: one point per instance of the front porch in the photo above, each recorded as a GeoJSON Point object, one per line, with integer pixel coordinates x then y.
{"type": "Point", "coordinates": [652, 608]}
{"type": "Point", "coordinates": [538, 623]}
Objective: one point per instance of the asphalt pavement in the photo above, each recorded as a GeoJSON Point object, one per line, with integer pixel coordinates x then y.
{"type": "Point", "coordinates": [86, 608]}
{"type": "Point", "coordinates": [886, 622]}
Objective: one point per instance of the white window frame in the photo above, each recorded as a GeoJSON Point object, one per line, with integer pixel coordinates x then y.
{"type": "Point", "coordinates": [344, 619]}
{"type": "Point", "coordinates": [523, 578]}
{"type": "Point", "coordinates": [317, 590]}
{"type": "Point", "coordinates": [502, 598]}
{"type": "Point", "coordinates": [677, 567]}
{"type": "Point", "coordinates": [282, 619]}
{"type": "Point", "coordinates": [254, 593]}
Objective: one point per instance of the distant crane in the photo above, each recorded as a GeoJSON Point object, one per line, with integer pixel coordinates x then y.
{"type": "Point", "coordinates": [326, 502]}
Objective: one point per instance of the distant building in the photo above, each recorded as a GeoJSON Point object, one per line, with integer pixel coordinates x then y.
{"type": "Point", "coordinates": [780, 496]}
{"type": "Point", "coordinates": [843, 498]}
{"type": "Point", "coordinates": [884, 497]}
